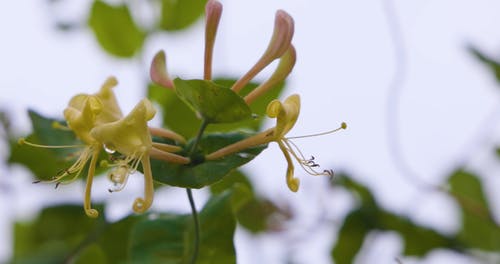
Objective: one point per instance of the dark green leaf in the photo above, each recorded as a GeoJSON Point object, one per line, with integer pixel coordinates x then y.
{"type": "Point", "coordinates": [169, 238]}
{"type": "Point", "coordinates": [205, 173]}
{"type": "Point", "coordinates": [479, 229]}
{"type": "Point", "coordinates": [214, 103]}
{"type": "Point", "coordinates": [177, 15]}
{"type": "Point", "coordinates": [115, 29]}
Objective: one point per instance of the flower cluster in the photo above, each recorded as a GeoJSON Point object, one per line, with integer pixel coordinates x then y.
{"type": "Point", "coordinates": [97, 120]}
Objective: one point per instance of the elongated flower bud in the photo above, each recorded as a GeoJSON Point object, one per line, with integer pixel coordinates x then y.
{"type": "Point", "coordinates": [158, 71]}
{"type": "Point", "coordinates": [213, 11]}
{"type": "Point", "coordinates": [287, 61]}
{"type": "Point", "coordinates": [279, 44]}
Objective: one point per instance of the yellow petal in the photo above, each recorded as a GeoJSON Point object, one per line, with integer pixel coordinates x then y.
{"type": "Point", "coordinates": [111, 112]}
{"type": "Point", "coordinates": [130, 135]}
{"type": "Point", "coordinates": [286, 113]}
{"type": "Point", "coordinates": [81, 114]}
{"type": "Point", "coordinates": [293, 183]}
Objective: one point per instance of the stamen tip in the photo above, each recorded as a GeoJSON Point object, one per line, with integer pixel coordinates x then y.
{"type": "Point", "coordinates": [343, 125]}
{"type": "Point", "coordinates": [21, 141]}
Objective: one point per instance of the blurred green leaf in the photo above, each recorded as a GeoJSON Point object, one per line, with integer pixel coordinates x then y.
{"type": "Point", "coordinates": [55, 236]}
{"type": "Point", "coordinates": [44, 163]}
{"type": "Point", "coordinates": [214, 103]}
{"type": "Point", "coordinates": [115, 29]}
{"type": "Point", "coordinates": [479, 229]}
{"type": "Point", "coordinates": [492, 63]}
{"type": "Point", "coordinates": [350, 238]}
{"type": "Point", "coordinates": [169, 238]}
{"type": "Point", "coordinates": [197, 175]}
{"type": "Point", "coordinates": [177, 15]}
{"type": "Point", "coordinates": [368, 216]}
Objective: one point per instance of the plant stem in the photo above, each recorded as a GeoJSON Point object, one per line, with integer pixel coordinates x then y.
{"type": "Point", "coordinates": [194, 257]}
{"type": "Point", "coordinates": [196, 226]}
{"type": "Point", "coordinates": [204, 125]}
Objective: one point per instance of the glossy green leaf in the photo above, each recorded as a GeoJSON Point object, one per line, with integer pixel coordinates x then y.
{"type": "Point", "coordinates": [212, 102]}
{"type": "Point", "coordinates": [115, 29]}
{"type": "Point", "coordinates": [179, 117]}
{"type": "Point", "coordinates": [479, 229]}
{"type": "Point", "coordinates": [177, 15]}
{"type": "Point", "coordinates": [169, 238]}
{"type": "Point", "coordinates": [205, 173]}
{"type": "Point", "coordinates": [44, 163]}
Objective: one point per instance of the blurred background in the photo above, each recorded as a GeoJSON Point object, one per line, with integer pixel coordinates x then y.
{"type": "Point", "coordinates": [416, 172]}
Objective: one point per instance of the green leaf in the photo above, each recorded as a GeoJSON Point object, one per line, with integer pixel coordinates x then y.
{"type": "Point", "coordinates": [492, 63]}
{"type": "Point", "coordinates": [169, 238]}
{"type": "Point", "coordinates": [177, 15]}
{"type": "Point", "coordinates": [413, 235]}
{"type": "Point", "coordinates": [180, 118]}
{"type": "Point", "coordinates": [44, 163]}
{"type": "Point", "coordinates": [479, 229]}
{"type": "Point", "coordinates": [115, 29]}
{"type": "Point", "coordinates": [214, 103]}
{"type": "Point", "coordinates": [176, 114]}
{"type": "Point", "coordinates": [197, 175]}
{"type": "Point", "coordinates": [350, 238]}
{"type": "Point", "coordinates": [53, 236]}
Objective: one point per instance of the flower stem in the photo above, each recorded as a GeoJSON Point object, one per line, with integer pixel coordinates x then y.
{"type": "Point", "coordinates": [194, 257]}
{"type": "Point", "coordinates": [196, 249]}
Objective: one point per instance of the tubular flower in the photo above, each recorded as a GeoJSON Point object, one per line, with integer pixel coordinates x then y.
{"type": "Point", "coordinates": [279, 47]}
{"type": "Point", "coordinates": [286, 115]}
{"type": "Point", "coordinates": [97, 120]}
{"type": "Point", "coordinates": [130, 137]}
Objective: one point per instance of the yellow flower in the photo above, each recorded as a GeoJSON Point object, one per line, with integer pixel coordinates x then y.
{"type": "Point", "coordinates": [286, 115]}
{"type": "Point", "coordinates": [98, 121]}
{"type": "Point", "coordinates": [130, 137]}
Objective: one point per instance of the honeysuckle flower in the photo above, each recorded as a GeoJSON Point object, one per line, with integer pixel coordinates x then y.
{"type": "Point", "coordinates": [286, 114]}
{"type": "Point", "coordinates": [279, 47]}
{"type": "Point", "coordinates": [97, 121]}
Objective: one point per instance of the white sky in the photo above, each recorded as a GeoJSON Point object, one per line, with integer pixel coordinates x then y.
{"type": "Point", "coordinates": [344, 69]}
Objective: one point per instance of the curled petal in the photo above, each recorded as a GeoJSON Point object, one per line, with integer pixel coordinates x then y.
{"type": "Point", "coordinates": [141, 205]}
{"type": "Point", "coordinates": [158, 71]}
{"type": "Point", "coordinates": [286, 113]}
{"type": "Point", "coordinates": [88, 187]}
{"type": "Point", "coordinates": [293, 183]}
{"type": "Point", "coordinates": [112, 111]}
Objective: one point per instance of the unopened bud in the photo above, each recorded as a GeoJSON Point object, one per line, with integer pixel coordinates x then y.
{"type": "Point", "coordinates": [213, 11]}
{"type": "Point", "coordinates": [158, 71]}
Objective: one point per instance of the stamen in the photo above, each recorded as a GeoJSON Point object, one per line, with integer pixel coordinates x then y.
{"type": "Point", "coordinates": [23, 141]}
{"type": "Point", "coordinates": [343, 125]}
